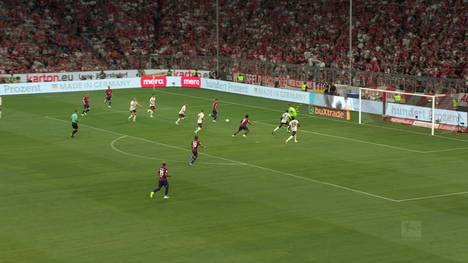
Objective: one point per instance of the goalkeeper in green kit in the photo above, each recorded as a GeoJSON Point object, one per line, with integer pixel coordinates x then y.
{"type": "Point", "coordinates": [293, 111]}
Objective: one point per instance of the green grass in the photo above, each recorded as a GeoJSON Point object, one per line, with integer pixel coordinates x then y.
{"type": "Point", "coordinates": [344, 193]}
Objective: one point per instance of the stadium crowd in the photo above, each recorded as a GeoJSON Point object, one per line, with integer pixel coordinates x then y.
{"type": "Point", "coordinates": [418, 37]}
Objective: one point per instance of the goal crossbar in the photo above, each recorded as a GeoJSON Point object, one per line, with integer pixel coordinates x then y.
{"type": "Point", "coordinates": [432, 97]}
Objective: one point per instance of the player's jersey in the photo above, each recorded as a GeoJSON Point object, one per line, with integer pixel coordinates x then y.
{"type": "Point", "coordinates": [152, 102]}
{"type": "Point", "coordinates": [244, 122]}
{"type": "Point", "coordinates": [215, 106]}
{"type": "Point", "coordinates": [195, 145]}
{"type": "Point", "coordinates": [182, 110]}
{"type": "Point", "coordinates": [133, 105]}
{"type": "Point", "coordinates": [108, 92]}
{"type": "Point", "coordinates": [85, 100]}
{"type": "Point", "coordinates": [293, 125]}
{"type": "Point", "coordinates": [163, 173]}
{"type": "Point", "coordinates": [200, 117]}
{"type": "Point", "coordinates": [285, 117]}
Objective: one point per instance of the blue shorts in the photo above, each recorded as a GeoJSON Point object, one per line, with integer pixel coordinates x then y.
{"type": "Point", "coordinates": [163, 183]}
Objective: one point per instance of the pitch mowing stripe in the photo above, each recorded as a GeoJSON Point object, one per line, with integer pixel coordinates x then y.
{"type": "Point", "coordinates": [240, 163]}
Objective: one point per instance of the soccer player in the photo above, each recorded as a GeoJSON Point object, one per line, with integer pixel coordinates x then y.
{"type": "Point", "coordinates": [181, 114]}
{"type": "Point", "coordinates": [243, 126]}
{"type": "Point", "coordinates": [163, 182]}
{"type": "Point", "coordinates": [200, 118]}
{"type": "Point", "coordinates": [284, 121]}
{"type": "Point", "coordinates": [195, 144]}
{"type": "Point", "coordinates": [86, 107]}
{"type": "Point", "coordinates": [133, 109]}
{"type": "Point", "coordinates": [214, 113]}
{"type": "Point", "coordinates": [108, 99]}
{"type": "Point", "coordinates": [292, 111]}
{"type": "Point", "coordinates": [293, 124]}
{"type": "Point", "coordinates": [152, 105]}
{"type": "Point", "coordinates": [74, 120]}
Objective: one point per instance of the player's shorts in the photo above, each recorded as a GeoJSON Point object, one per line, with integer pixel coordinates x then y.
{"type": "Point", "coordinates": [164, 183]}
{"type": "Point", "coordinates": [181, 115]}
{"type": "Point", "coordinates": [293, 133]}
{"type": "Point", "coordinates": [195, 153]}
{"type": "Point", "coordinates": [85, 106]}
{"type": "Point", "coordinates": [214, 113]}
{"type": "Point", "coordinates": [109, 98]}
{"type": "Point", "coordinates": [283, 124]}
{"type": "Point", "coordinates": [133, 111]}
{"type": "Point", "coordinates": [245, 128]}
{"type": "Point", "coordinates": [200, 125]}
{"type": "Point", "coordinates": [75, 125]}
{"type": "Point", "coordinates": [153, 108]}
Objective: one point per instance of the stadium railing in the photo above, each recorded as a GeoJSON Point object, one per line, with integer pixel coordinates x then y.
{"type": "Point", "coordinates": [229, 66]}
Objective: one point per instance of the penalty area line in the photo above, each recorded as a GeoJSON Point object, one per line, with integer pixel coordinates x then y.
{"type": "Point", "coordinates": [431, 197]}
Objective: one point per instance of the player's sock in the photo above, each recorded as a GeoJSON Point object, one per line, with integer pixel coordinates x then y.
{"type": "Point", "coordinates": [73, 133]}
{"type": "Point", "coordinates": [152, 194]}
{"type": "Point", "coordinates": [197, 130]}
{"type": "Point", "coordinates": [166, 191]}
{"type": "Point", "coordinates": [277, 128]}
{"type": "Point", "coordinates": [177, 121]}
{"type": "Point", "coordinates": [134, 118]}
{"type": "Point", "coordinates": [129, 117]}
{"type": "Point", "coordinates": [290, 137]}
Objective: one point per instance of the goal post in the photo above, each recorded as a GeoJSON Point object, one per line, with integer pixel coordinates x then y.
{"type": "Point", "coordinates": [404, 107]}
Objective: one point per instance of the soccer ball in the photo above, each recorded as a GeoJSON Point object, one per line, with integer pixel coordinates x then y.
{"type": "Point", "coordinates": [227, 120]}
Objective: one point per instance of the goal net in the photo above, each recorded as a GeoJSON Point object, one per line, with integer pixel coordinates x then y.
{"type": "Point", "coordinates": [379, 107]}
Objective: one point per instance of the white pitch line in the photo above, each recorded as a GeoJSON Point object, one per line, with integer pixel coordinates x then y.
{"type": "Point", "coordinates": [448, 150]}
{"type": "Point", "coordinates": [146, 140]}
{"type": "Point", "coordinates": [431, 197]}
{"type": "Point", "coordinates": [242, 163]}
{"type": "Point", "coordinates": [112, 145]}
{"type": "Point", "coordinates": [352, 139]}
{"type": "Point", "coordinates": [323, 118]}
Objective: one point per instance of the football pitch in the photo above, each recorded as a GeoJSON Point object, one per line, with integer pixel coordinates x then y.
{"type": "Point", "coordinates": [343, 193]}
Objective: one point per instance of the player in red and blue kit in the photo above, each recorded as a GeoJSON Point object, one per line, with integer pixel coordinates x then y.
{"type": "Point", "coordinates": [163, 182]}
{"type": "Point", "coordinates": [195, 145]}
{"type": "Point", "coordinates": [85, 105]}
{"type": "Point", "coordinates": [108, 97]}
{"type": "Point", "coordinates": [214, 113]}
{"type": "Point", "coordinates": [243, 126]}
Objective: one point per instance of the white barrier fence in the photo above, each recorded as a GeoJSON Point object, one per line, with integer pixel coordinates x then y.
{"type": "Point", "coordinates": [327, 101]}
{"type": "Point", "coordinates": [257, 91]}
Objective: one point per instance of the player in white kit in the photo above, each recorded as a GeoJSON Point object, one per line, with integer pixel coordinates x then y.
{"type": "Point", "coordinates": [293, 125]}
{"type": "Point", "coordinates": [200, 118]}
{"type": "Point", "coordinates": [181, 114]}
{"type": "Point", "coordinates": [284, 121]}
{"type": "Point", "coordinates": [133, 109]}
{"type": "Point", "coordinates": [152, 106]}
